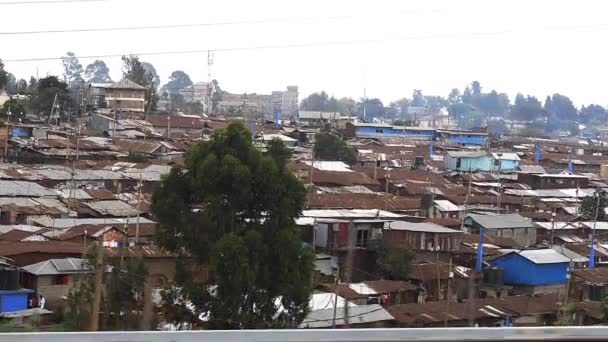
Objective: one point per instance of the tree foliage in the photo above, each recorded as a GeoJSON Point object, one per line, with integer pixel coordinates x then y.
{"type": "Point", "coordinates": [393, 263]}
{"type": "Point", "coordinates": [244, 231]}
{"type": "Point", "coordinates": [373, 108]}
{"type": "Point", "coordinates": [122, 289]}
{"type": "Point", "coordinates": [593, 114]}
{"type": "Point", "coordinates": [143, 74]}
{"type": "Point", "coordinates": [97, 72]}
{"type": "Point", "coordinates": [329, 146]}
{"type": "Point", "coordinates": [589, 205]}
{"type": "Point", "coordinates": [216, 95]}
{"type": "Point", "coordinates": [3, 75]}
{"type": "Point", "coordinates": [177, 81]}
{"type": "Point", "coordinates": [48, 88]}
{"type": "Point", "coordinates": [72, 69]}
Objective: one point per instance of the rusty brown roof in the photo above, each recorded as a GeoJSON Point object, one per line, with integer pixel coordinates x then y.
{"type": "Point", "coordinates": [100, 194]}
{"type": "Point", "coordinates": [16, 235]}
{"type": "Point", "coordinates": [504, 242]}
{"type": "Point", "coordinates": [596, 276]}
{"type": "Point", "coordinates": [159, 120]}
{"type": "Point", "coordinates": [362, 201]}
{"type": "Point", "coordinates": [10, 248]}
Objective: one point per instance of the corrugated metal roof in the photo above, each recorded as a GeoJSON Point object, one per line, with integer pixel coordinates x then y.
{"type": "Point", "coordinates": [354, 213]}
{"type": "Point", "coordinates": [505, 156]}
{"type": "Point", "coordinates": [421, 227]}
{"type": "Point", "coordinates": [362, 288]}
{"type": "Point", "coordinates": [113, 208]}
{"type": "Point", "coordinates": [543, 256]}
{"type": "Point", "coordinates": [330, 166]}
{"type": "Point", "coordinates": [445, 205]}
{"type": "Point", "coordinates": [359, 315]}
{"type": "Point", "coordinates": [10, 188]}
{"type": "Point", "coordinates": [62, 223]}
{"type": "Point", "coordinates": [466, 154]}
{"type": "Point", "coordinates": [492, 221]}
{"type": "Point", "coordinates": [571, 255]}
{"type": "Point", "coordinates": [58, 266]}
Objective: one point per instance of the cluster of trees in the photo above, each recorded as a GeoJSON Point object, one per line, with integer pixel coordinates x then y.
{"type": "Point", "coordinates": [471, 107]}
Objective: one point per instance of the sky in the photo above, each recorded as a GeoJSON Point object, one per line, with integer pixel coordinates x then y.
{"type": "Point", "coordinates": [386, 47]}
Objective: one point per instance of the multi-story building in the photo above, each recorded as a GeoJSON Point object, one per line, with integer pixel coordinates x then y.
{"type": "Point", "coordinates": [283, 103]}
{"type": "Point", "coordinates": [125, 96]}
{"type": "Point", "coordinates": [198, 92]}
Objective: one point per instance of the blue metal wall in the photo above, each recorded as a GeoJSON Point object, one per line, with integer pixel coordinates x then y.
{"type": "Point", "coordinates": [468, 164]}
{"type": "Point", "coordinates": [521, 271]}
{"type": "Point", "coordinates": [382, 131]}
{"type": "Point", "coordinates": [466, 139]}
{"type": "Point", "coordinates": [13, 301]}
{"type": "Point", "coordinates": [506, 165]}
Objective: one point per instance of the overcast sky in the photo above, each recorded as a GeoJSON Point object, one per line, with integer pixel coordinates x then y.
{"type": "Point", "coordinates": [388, 47]}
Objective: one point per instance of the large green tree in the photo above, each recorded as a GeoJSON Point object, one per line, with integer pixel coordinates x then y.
{"type": "Point", "coordinates": [177, 81]}
{"type": "Point", "coordinates": [589, 206]}
{"type": "Point", "coordinates": [243, 228]}
{"type": "Point", "coordinates": [329, 146]}
{"type": "Point", "coordinates": [3, 75]}
{"type": "Point", "coordinates": [98, 72]}
{"type": "Point", "coordinates": [51, 90]}
{"type": "Point", "coordinates": [72, 70]}
{"type": "Point", "coordinates": [137, 71]}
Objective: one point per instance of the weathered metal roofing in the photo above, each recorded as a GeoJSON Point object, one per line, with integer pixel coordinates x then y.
{"type": "Point", "coordinates": [330, 166]}
{"type": "Point", "coordinates": [361, 314]}
{"type": "Point", "coordinates": [59, 266]}
{"type": "Point", "coordinates": [63, 223]}
{"type": "Point", "coordinates": [113, 208]}
{"type": "Point", "coordinates": [445, 205]}
{"type": "Point", "coordinates": [350, 213]}
{"type": "Point", "coordinates": [493, 221]}
{"type": "Point", "coordinates": [571, 255]}
{"type": "Point", "coordinates": [9, 188]}
{"type": "Point", "coordinates": [421, 227]}
{"type": "Point", "coordinates": [466, 154]}
{"type": "Point", "coordinates": [543, 256]}
{"type": "Point", "coordinates": [505, 156]}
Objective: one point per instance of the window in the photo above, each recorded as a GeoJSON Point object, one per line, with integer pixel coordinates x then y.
{"type": "Point", "coordinates": [379, 131]}
{"type": "Point", "coordinates": [362, 236]}
{"type": "Point", "coordinates": [61, 279]}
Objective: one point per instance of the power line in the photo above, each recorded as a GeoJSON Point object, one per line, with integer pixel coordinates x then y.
{"type": "Point", "coordinates": [45, 2]}
{"type": "Point", "coordinates": [300, 45]}
{"type": "Point", "coordinates": [154, 27]}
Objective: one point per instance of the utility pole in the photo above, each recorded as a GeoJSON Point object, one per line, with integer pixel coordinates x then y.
{"type": "Point", "coordinates": [139, 186]}
{"type": "Point", "coordinates": [449, 293]}
{"type": "Point", "coordinates": [99, 268]}
{"type": "Point", "coordinates": [438, 274]}
{"type": "Point", "coordinates": [337, 279]}
{"type": "Point", "coordinates": [349, 267]}
{"type": "Point", "coordinates": [8, 133]}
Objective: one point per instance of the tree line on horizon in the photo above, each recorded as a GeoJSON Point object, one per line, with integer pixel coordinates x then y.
{"type": "Point", "coordinates": [469, 108]}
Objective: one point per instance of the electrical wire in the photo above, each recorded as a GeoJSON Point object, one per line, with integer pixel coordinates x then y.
{"type": "Point", "coordinates": [30, 2]}
{"type": "Point", "coordinates": [291, 45]}
{"type": "Point", "coordinates": [173, 26]}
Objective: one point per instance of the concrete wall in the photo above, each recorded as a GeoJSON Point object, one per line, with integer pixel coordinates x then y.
{"type": "Point", "coordinates": [523, 236]}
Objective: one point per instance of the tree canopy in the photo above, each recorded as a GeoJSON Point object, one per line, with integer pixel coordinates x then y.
{"type": "Point", "coordinates": [3, 75]}
{"type": "Point", "coordinates": [97, 71]}
{"type": "Point", "coordinates": [244, 230]}
{"type": "Point", "coordinates": [329, 146]}
{"type": "Point", "coordinates": [589, 205]}
{"type": "Point", "coordinates": [72, 69]}
{"type": "Point", "coordinates": [177, 81]}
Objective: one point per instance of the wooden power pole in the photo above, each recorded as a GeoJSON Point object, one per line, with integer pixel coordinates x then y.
{"type": "Point", "coordinates": [99, 268]}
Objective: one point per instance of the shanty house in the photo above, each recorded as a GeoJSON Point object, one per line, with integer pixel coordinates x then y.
{"type": "Point", "coordinates": [562, 180]}
{"type": "Point", "coordinates": [532, 269]}
{"type": "Point", "coordinates": [515, 226]}
{"type": "Point", "coordinates": [590, 284]}
{"type": "Point", "coordinates": [424, 236]}
{"type": "Point", "coordinates": [466, 161]}
{"type": "Point", "coordinates": [53, 278]}
{"type": "Point", "coordinates": [505, 162]}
